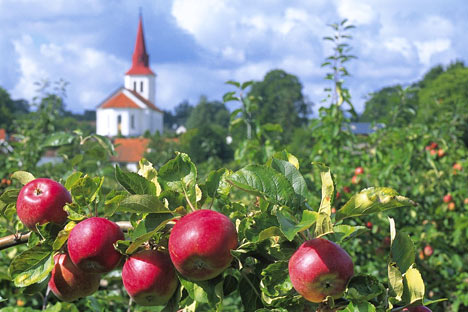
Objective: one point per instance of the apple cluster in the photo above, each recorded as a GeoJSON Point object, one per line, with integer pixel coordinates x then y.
{"type": "Point", "coordinates": [199, 248]}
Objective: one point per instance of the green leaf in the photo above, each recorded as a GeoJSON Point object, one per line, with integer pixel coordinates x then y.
{"type": "Point", "coordinates": [179, 175]}
{"type": "Point", "coordinates": [162, 220]}
{"type": "Point", "coordinates": [74, 213]}
{"type": "Point", "coordinates": [216, 183]}
{"type": "Point", "coordinates": [246, 84]}
{"type": "Point", "coordinates": [402, 251]}
{"type": "Point", "coordinates": [285, 155]}
{"type": "Point", "coordinates": [323, 225]}
{"type": "Point", "coordinates": [328, 188]}
{"type": "Point", "coordinates": [58, 139]}
{"type": "Point", "coordinates": [10, 196]}
{"type": "Point", "coordinates": [275, 280]}
{"type": "Point", "coordinates": [229, 96]}
{"type": "Point", "coordinates": [32, 266]}
{"type": "Point", "coordinates": [85, 190]}
{"type": "Point", "coordinates": [268, 233]}
{"type": "Point", "coordinates": [345, 232]}
{"type": "Point", "coordinates": [23, 177]}
{"type": "Point", "coordinates": [359, 307]}
{"type": "Point", "coordinates": [147, 171]}
{"type": "Point", "coordinates": [265, 182]}
{"type": "Point", "coordinates": [290, 227]}
{"type": "Point", "coordinates": [234, 83]}
{"type": "Point", "coordinates": [134, 183]}
{"type": "Point", "coordinates": [364, 288]}
{"type": "Point", "coordinates": [395, 280]}
{"type": "Point", "coordinates": [372, 200]}
{"type": "Point", "coordinates": [413, 286]}
{"type": "Point", "coordinates": [63, 236]}
{"type": "Point", "coordinates": [72, 179]}
{"type": "Point", "coordinates": [142, 204]}
{"type": "Point", "coordinates": [294, 177]}
{"type": "Point", "coordinates": [209, 292]}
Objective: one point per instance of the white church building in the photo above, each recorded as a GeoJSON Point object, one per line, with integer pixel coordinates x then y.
{"type": "Point", "coordinates": [131, 109]}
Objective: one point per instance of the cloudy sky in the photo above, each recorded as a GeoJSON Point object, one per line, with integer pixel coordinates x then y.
{"type": "Point", "coordinates": [195, 46]}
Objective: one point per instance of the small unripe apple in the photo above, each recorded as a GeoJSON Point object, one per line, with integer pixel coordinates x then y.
{"type": "Point", "coordinates": [421, 255]}
{"type": "Point", "coordinates": [465, 201]}
{"type": "Point", "coordinates": [69, 283]}
{"type": "Point", "coordinates": [417, 309]}
{"type": "Point", "coordinates": [320, 268]}
{"type": "Point", "coordinates": [200, 244]}
{"type": "Point", "coordinates": [428, 251]}
{"type": "Point", "coordinates": [369, 225]}
{"type": "Point", "coordinates": [433, 152]}
{"type": "Point", "coordinates": [457, 166]}
{"type": "Point", "coordinates": [387, 241]}
{"type": "Point", "coordinates": [448, 198]}
{"type": "Point", "coordinates": [441, 153]}
{"type": "Point", "coordinates": [428, 148]}
{"type": "Point", "coordinates": [333, 210]}
{"type": "Point", "coordinates": [358, 170]}
{"type": "Point", "coordinates": [354, 180]}
{"type": "Point", "coordinates": [149, 277]}
{"type": "Point", "coordinates": [91, 245]}
{"type": "Point", "coordinates": [451, 206]}
{"type": "Point", "coordinates": [337, 195]}
{"type": "Point", "coordinates": [346, 189]}
{"type": "Point", "coordinates": [40, 201]}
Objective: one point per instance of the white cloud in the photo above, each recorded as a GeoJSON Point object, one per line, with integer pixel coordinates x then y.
{"type": "Point", "coordinates": [356, 11]}
{"type": "Point", "coordinates": [90, 72]}
{"type": "Point", "coordinates": [426, 49]}
{"type": "Point", "coordinates": [400, 45]}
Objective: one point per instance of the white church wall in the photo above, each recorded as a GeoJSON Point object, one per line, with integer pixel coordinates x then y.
{"type": "Point", "coordinates": [136, 82]}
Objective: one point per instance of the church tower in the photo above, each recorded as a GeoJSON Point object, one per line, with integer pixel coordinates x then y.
{"type": "Point", "coordinates": [131, 111]}
{"type": "Point", "coordinates": [140, 78]}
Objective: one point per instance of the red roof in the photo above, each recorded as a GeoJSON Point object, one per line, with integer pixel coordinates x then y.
{"type": "Point", "coordinates": [130, 149]}
{"type": "Point", "coordinates": [140, 59]}
{"type": "Point", "coordinates": [2, 134]}
{"type": "Point", "coordinates": [121, 100]}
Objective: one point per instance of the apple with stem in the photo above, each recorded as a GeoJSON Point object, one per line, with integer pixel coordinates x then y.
{"type": "Point", "coordinates": [91, 245]}
{"type": "Point", "coordinates": [69, 283]}
{"type": "Point", "coordinates": [320, 268]}
{"type": "Point", "coordinates": [149, 277]}
{"type": "Point", "coordinates": [200, 244]}
{"type": "Point", "coordinates": [41, 201]}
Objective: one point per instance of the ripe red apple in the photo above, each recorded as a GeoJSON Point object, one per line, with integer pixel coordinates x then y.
{"type": "Point", "coordinates": [448, 198]}
{"type": "Point", "coordinates": [354, 180]}
{"type": "Point", "coordinates": [90, 245]}
{"type": "Point", "coordinates": [200, 244]}
{"type": "Point", "coordinates": [337, 195]}
{"type": "Point", "coordinates": [441, 153]}
{"type": "Point", "coordinates": [41, 201]}
{"type": "Point", "coordinates": [320, 268]}
{"type": "Point", "coordinates": [358, 170]}
{"type": "Point", "coordinates": [451, 206]}
{"type": "Point", "coordinates": [69, 283]}
{"type": "Point", "coordinates": [433, 145]}
{"type": "Point", "coordinates": [417, 309]}
{"type": "Point", "coordinates": [346, 189]}
{"type": "Point", "coordinates": [149, 277]}
{"type": "Point", "coordinates": [369, 225]}
{"type": "Point", "coordinates": [428, 251]}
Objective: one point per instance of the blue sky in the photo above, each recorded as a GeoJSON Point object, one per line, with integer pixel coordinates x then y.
{"type": "Point", "coordinates": [195, 46]}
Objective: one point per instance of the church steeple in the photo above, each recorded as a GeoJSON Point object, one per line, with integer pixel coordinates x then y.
{"type": "Point", "coordinates": [140, 78]}
{"type": "Point", "coordinates": [140, 59]}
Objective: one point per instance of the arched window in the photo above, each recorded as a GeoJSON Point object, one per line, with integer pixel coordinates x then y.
{"type": "Point", "coordinates": [132, 121]}
{"type": "Point", "coordinates": [134, 86]}
{"type": "Point", "coordinates": [141, 86]}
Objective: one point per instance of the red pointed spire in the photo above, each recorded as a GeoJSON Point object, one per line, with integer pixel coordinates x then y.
{"type": "Point", "coordinates": [140, 59]}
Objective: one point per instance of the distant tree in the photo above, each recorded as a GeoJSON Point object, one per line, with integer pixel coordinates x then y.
{"type": "Point", "coordinates": [10, 109]}
{"type": "Point", "coordinates": [281, 101]}
{"type": "Point", "coordinates": [181, 113]}
{"type": "Point", "coordinates": [208, 113]}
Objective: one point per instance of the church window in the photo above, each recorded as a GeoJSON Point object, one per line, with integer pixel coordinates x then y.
{"type": "Point", "coordinates": [132, 121]}
{"type": "Point", "coordinates": [141, 86]}
{"type": "Point", "coordinates": [134, 86]}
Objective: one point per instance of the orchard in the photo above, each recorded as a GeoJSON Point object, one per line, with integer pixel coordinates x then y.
{"type": "Point", "coordinates": [325, 220]}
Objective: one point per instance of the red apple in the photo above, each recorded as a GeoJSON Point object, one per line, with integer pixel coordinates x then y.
{"type": "Point", "coordinates": [354, 180]}
{"type": "Point", "coordinates": [333, 210]}
{"type": "Point", "coordinates": [337, 195]}
{"type": "Point", "coordinates": [320, 268]}
{"type": "Point", "coordinates": [448, 198]}
{"type": "Point", "coordinates": [451, 206]}
{"type": "Point", "coordinates": [433, 145]}
{"type": "Point", "coordinates": [369, 225]}
{"type": "Point", "coordinates": [358, 170]}
{"type": "Point", "coordinates": [200, 244]}
{"type": "Point", "coordinates": [346, 189]}
{"type": "Point", "coordinates": [68, 282]}
{"type": "Point", "coordinates": [441, 153]}
{"type": "Point", "coordinates": [387, 241]}
{"type": "Point", "coordinates": [149, 277]}
{"type": "Point", "coordinates": [417, 309]}
{"type": "Point", "coordinates": [433, 152]}
{"type": "Point", "coordinates": [428, 251]}
{"type": "Point", "coordinates": [41, 201]}
{"type": "Point", "coordinates": [465, 201]}
{"type": "Point", "coordinates": [91, 245]}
